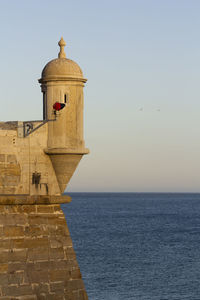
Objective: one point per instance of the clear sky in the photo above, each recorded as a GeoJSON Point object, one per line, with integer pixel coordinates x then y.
{"type": "Point", "coordinates": [142, 98]}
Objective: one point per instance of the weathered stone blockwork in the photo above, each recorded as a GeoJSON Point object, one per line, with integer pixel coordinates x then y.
{"type": "Point", "coordinates": [37, 260]}
{"type": "Point", "coordinates": [37, 160]}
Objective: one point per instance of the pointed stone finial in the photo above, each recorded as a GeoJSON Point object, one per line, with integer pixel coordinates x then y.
{"type": "Point", "coordinates": [62, 44]}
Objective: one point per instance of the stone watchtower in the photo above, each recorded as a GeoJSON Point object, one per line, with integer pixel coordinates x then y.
{"type": "Point", "coordinates": [37, 160]}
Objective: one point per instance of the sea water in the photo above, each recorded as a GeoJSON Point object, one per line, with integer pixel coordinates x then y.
{"type": "Point", "coordinates": [137, 246]}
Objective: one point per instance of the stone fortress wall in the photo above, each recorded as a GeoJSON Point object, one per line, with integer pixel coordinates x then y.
{"type": "Point", "coordinates": [21, 158]}
{"type": "Point", "coordinates": [37, 160]}
{"type": "Point", "coordinates": [37, 259]}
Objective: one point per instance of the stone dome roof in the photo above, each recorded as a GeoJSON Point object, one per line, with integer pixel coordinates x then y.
{"type": "Point", "coordinates": [62, 68]}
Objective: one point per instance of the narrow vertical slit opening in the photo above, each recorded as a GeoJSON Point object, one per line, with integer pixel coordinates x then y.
{"type": "Point", "coordinates": [44, 107]}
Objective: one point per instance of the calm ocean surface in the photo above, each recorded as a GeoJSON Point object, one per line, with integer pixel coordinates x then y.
{"type": "Point", "coordinates": [137, 246]}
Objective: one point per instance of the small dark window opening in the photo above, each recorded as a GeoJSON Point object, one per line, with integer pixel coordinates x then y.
{"type": "Point", "coordinates": [65, 98]}
{"type": "Point", "coordinates": [36, 178]}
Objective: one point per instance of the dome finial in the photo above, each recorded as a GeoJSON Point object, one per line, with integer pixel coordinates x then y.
{"type": "Point", "coordinates": [62, 44]}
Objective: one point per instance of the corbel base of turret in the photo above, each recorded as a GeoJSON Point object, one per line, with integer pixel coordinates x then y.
{"type": "Point", "coordinates": [65, 162]}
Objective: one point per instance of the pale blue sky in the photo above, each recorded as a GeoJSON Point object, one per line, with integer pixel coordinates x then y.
{"type": "Point", "coordinates": [142, 99]}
